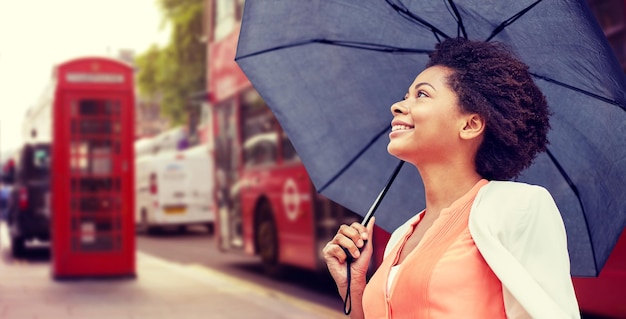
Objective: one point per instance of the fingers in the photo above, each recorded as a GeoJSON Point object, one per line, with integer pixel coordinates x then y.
{"type": "Point", "coordinates": [356, 232]}
{"type": "Point", "coordinates": [334, 250]}
{"type": "Point", "coordinates": [352, 238]}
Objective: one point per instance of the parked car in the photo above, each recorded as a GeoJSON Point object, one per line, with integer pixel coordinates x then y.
{"type": "Point", "coordinates": [28, 211]}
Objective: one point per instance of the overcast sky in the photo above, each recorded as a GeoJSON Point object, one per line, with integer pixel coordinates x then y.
{"type": "Point", "coordinates": [35, 35]}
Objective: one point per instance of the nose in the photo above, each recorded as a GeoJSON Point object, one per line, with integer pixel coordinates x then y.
{"type": "Point", "coordinates": [398, 109]}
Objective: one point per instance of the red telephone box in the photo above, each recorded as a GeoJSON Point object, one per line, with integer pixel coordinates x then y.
{"type": "Point", "coordinates": [92, 203]}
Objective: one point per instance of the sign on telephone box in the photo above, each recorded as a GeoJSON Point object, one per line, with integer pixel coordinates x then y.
{"type": "Point", "coordinates": [92, 203]}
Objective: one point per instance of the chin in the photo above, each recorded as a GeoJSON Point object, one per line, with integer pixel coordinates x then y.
{"type": "Point", "coordinates": [404, 153]}
{"type": "Point", "coordinates": [392, 150]}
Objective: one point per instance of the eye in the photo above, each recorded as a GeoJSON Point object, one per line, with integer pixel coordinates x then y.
{"type": "Point", "coordinates": [421, 94]}
{"type": "Point", "coordinates": [406, 96]}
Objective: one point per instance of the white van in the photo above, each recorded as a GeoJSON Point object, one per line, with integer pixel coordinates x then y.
{"type": "Point", "coordinates": [174, 188]}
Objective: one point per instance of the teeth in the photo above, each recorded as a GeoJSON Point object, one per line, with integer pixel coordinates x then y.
{"type": "Point", "coordinates": [400, 127]}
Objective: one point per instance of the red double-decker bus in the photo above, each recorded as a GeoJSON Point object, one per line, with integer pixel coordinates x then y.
{"type": "Point", "coordinates": [267, 203]}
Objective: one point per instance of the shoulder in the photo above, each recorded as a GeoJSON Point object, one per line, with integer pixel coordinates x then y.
{"type": "Point", "coordinates": [512, 204]}
{"type": "Point", "coordinates": [501, 195]}
{"type": "Point", "coordinates": [516, 192]}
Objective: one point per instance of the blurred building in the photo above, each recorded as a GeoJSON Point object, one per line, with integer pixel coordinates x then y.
{"type": "Point", "coordinates": [148, 119]}
{"type": "Point", "coordinates": [611, 15]}
{"type": "Point", "coordinates": [126, 55]}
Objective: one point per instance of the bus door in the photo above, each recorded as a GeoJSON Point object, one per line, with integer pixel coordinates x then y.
{"type": "Point", "coordinates": [95, 223]}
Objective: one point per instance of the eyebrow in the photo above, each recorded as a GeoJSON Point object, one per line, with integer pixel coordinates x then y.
{"type": "Point", "coordinates": [423, 83]}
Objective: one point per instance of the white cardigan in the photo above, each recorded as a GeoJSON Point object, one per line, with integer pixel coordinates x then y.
{"type": "Point", "coordinates": [519, 231]}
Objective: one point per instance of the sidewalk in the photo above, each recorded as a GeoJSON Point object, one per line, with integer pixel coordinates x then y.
{"type": "Point", "coordinates": [161, 290]}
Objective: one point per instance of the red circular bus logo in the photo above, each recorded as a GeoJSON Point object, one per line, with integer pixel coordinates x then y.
{"type": "Point", "coordinates": [291, 199]}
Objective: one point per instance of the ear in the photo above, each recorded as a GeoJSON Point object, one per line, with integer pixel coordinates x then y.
{"type": "Point", "coordinates": [474, 126]}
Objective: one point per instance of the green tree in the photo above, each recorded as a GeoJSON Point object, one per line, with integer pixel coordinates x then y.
{"type": "Point", "coordinates": [172, 73]}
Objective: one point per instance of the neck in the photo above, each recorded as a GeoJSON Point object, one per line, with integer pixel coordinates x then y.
{"type": "Point", "coordinates": [444, 184]}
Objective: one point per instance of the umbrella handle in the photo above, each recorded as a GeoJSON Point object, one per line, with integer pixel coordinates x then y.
{"type": "Point", "coordinates": [347, 302]}
{"type": "Point", "coordinates": [375, 205]}
{"type": "Point", "coordinates": [382, 194]}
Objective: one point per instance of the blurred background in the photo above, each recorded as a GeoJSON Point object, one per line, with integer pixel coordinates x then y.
{"type": "Point", "coordinates": [215, 181]}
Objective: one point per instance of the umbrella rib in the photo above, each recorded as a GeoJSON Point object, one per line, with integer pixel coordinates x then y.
{"type": "Point", "coordinates": [353, 160]}
{"type": "Point", "coordinates": [459, 20]}
{"type": "Point", "coordinates": [510, 20]}
{"type": "Point", "coordinates": [404, 12]}
{"type": "Point", "coordinates": [371, 46]}
{"type": "Point", "coordinates": [573, 88]}
{"type": "Point", "coordinates": [349, 44]}
{"type": "Point", "coordinates": [577, 194]}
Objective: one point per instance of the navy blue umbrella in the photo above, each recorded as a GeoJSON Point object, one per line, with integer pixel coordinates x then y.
{"type": "Point", "coordinates": [331, 69]}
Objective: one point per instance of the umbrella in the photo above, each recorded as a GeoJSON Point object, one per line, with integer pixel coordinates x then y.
{"type": "Point", "coordinates": [330, 70]}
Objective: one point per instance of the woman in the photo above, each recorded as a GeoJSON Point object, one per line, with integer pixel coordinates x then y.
{"type": "Point", "coordinates": [482, 247]}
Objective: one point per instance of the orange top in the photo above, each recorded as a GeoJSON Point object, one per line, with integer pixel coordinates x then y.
{"type": "Point", "coordinates": [445, 276]}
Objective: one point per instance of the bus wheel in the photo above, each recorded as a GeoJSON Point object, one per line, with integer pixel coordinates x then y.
{"type": "Point", "coordinates": [267, 241]}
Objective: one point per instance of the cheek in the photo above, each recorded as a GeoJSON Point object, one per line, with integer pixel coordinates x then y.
{"type": "Point", "coordinates": [429, 122]}
{"type": "Point", "coordinates": [437, 131]}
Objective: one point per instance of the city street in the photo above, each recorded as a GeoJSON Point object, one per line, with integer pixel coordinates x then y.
{"type": "Point", "coordinates": [197, 248]}
{"type": "Point", "coordinates": [184, 288]}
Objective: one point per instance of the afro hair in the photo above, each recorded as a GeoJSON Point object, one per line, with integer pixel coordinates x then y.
{"type": "Point", "coordinates": [490, 81]}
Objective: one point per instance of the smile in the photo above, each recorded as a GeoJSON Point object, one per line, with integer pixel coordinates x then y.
{"type": "Point", "coordinates": [401, 128]}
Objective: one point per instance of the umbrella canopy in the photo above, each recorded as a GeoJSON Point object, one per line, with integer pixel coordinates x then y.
{"type": "Point", "coordinates": [331, 69]}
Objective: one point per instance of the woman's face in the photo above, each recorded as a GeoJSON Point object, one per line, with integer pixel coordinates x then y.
{"type": "Point", "coordinates": [426, 124]}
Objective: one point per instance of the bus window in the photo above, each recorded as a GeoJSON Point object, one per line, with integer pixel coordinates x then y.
{"type": "Point", "coordinates": [288, 152]}
{"type": "Point", "coordinates": [259, 131]}
{"type": "Point", "coordinates": [261, 149]}
{"type": "Point", "coordinates": [225, 15]}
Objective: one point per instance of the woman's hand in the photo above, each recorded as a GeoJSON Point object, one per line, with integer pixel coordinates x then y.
{"type": "Point", "coordinates": [357, 239]}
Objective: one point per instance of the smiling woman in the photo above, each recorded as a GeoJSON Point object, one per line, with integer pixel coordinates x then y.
{"type": "Point", "coordinates": [471, 119]}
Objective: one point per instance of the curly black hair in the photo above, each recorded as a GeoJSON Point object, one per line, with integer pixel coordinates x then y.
{"type": "Point", "coordinates": [489, 80]}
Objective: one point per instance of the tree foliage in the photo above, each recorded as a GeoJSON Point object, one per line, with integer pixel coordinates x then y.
{"type": "Point", "coordinates": [171, 74]}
